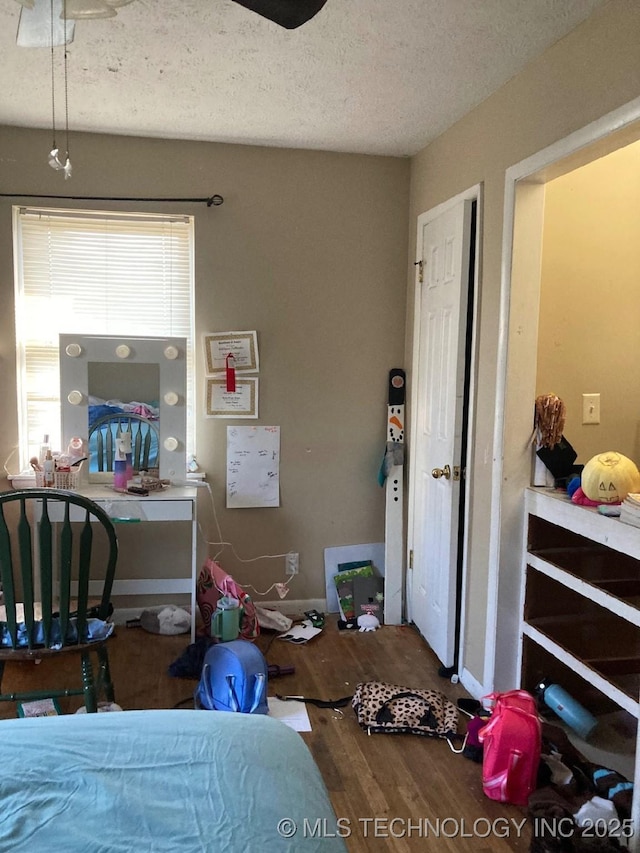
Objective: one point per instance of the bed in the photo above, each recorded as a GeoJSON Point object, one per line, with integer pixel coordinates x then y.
{"type": "Point", "coordinates": [174, 781]}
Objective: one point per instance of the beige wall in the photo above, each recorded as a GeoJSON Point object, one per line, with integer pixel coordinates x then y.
{"type": "Point", "coordinates": [589, 335]}
{"type": "Point", "coordinates": [310, 250]}
{"type": "Point", "coordinates": [584, 76]}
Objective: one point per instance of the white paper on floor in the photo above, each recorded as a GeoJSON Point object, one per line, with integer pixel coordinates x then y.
{"type": "Point", "coordinates": [291, 712]}
{"type": "Point", "coordinates": [301, 633]}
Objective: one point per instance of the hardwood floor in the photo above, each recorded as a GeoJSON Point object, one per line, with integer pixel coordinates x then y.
{"type": "Point", "coordinates": [389, 792]}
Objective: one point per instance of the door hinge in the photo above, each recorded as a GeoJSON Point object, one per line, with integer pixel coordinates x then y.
{"type": "Point", "coordinates": [420, 265]}
{"type": "Point", "coordinates": [411, 558]}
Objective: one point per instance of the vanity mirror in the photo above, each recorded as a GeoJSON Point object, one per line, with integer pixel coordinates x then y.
{"type": "Point", "coordinates": [110, 386]}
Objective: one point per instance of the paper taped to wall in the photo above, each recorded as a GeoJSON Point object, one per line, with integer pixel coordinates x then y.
{"type": "Point", "coordinates": [253, 466]}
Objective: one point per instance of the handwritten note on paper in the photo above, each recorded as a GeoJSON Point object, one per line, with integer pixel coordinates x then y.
{"type": "Point", "coordinates": [253, 466]}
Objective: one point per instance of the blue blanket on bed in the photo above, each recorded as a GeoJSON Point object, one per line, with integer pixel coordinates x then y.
{"type": "Point", "coordinates": [160, 782]}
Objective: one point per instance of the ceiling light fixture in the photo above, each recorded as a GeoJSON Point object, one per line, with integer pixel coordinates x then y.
{"type": "Point", "coordinates": [51, 23]}
{"type": "Point", "coordinates": [88, 9]}
{"type": "Point", "coordinates": [85, 9]}
{"type": "Point", "coordinates": [54, 159]}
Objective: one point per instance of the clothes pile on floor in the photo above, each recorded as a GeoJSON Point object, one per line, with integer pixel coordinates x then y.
{"type": "Point", "coordinates": [576, 800]}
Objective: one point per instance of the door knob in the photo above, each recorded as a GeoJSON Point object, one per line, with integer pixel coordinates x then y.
{"type": "Point", "coordinates": [441, 472]}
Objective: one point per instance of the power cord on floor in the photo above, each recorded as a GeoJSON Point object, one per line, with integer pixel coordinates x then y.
{"type": "Point", "coordinates": [282, 587]}
{"type": "Point", "coordinates": [183, 702]}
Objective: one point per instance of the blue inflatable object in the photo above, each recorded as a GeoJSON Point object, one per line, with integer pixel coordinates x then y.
{"type": "Point", "coordinates": [572, 486]}
{"type": "Point", "coordinates": [234, 678]}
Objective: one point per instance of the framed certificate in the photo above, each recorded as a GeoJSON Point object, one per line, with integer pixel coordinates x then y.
{"type": "Point", "coordinates": [241, 403]}
{"type": "Point", "coordinates": [243, 346]}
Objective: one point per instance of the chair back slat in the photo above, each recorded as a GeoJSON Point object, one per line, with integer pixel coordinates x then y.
{"type": "Point", "coordinates": [100, 449]}
{"type": "Point", "coordinates": [110, 450]}
{"type": "Point", "coordinates": [6, 576]}
{"type": "Point", "coordinates": [45, 541]}
{"type": "Point", "coordinates": [144, 461]}
{"type": "Point", "coordinates": [26, 569]}
{"type": "Point", "coordinates": [65, 560]}
{"type": "Point", "coordinates": [86, 544]}
{"type": "Point", "coordinates": [136, 446]}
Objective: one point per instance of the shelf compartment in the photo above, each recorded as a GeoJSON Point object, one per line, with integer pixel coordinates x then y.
{"type": "Point", "coordinates": [615, 573]}
{"type": "Point", "coordinates": [595, 637]}
{"type": "Point", "coordinates": [544, 658]}
{"type": "Point", "coordinates": [626, 609]}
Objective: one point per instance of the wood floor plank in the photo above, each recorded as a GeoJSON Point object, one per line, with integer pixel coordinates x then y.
{"type": "Point", "coordinates": [422, 795]}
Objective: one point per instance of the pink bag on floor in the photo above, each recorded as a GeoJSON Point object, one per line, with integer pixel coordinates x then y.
{"type": "Point", "coordinates": [511, 748]}
{"type": "Point", "coordinates": [213, 583]}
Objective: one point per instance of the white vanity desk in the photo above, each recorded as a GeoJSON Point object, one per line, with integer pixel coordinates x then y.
{"type": "Point", "coordinates": [111, 368]}
{"type": "Point", "coordinates": [177, 503]}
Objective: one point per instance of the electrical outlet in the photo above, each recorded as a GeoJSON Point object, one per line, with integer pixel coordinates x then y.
{"type": "Point", "coordinates": [291, 565]}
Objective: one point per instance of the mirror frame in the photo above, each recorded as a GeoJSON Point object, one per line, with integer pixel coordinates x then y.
{"type": "Point", "coordinates": [78, 351]}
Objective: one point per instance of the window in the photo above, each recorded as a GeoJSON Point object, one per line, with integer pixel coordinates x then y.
{"type": "Point", "coordinates": [94, 273]}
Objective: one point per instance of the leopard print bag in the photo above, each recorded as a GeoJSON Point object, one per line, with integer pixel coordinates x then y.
{"type": "Point", "coordinates": [382, 707]}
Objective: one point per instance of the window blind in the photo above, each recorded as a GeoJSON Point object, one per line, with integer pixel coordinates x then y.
{"type": "Point", "coordinates": [94, 273]}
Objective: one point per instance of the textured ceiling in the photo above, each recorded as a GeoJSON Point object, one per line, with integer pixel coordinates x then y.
{"type": "Point", "coordinates": [367, 76]}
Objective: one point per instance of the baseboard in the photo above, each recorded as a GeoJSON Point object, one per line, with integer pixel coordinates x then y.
{"type": "Point", "coordinates": [290, 607]}
{"type": "Point", "coordinates": [121, 615]}
{"type": "Point", "coordinates": [295, 606]}
{"type": "Point", "coordinates": [471, 684]}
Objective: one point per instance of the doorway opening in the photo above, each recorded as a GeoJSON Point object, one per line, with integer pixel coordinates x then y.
{"type": "Point", "coordinates": [466, 429]}
{"type": "Point", "coordinates": [525, 188]}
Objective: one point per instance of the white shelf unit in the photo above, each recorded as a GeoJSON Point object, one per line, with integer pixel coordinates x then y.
{"type": "Point", "coordinates": [580, 606]}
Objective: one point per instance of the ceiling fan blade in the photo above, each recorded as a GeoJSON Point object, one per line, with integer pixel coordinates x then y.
{"type": "Point", "coordinates": [286, 13]}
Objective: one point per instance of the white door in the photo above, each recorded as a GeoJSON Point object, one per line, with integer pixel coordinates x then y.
{"type": "Point", "coordinates": [438, 394]}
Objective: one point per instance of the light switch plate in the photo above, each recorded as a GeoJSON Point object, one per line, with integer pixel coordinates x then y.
{"type": "Point", "coordinates": [591, 408]}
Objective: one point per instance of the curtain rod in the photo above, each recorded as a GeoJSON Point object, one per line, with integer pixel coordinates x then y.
{"type": "Point", "coordinates": [214, 200]}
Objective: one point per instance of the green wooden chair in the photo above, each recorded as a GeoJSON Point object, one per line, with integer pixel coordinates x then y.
{"type": "Point", "coordinates": [144, 440]}
{"type": "Point", "coordinates": [46, 551]}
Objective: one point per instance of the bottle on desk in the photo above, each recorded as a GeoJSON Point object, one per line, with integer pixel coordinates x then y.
{"type": "Point", "coordinates": [45, 448]}
{"type": "Point", "coordinates": [122, 465]}
{"type": "Point", "coordinates": [48, 468]}
{"type": "Point", "coordinates": [125, 438]}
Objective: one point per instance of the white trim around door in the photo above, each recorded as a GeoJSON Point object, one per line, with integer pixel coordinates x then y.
{"type": "Point", "coordinates": [516, 366]}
